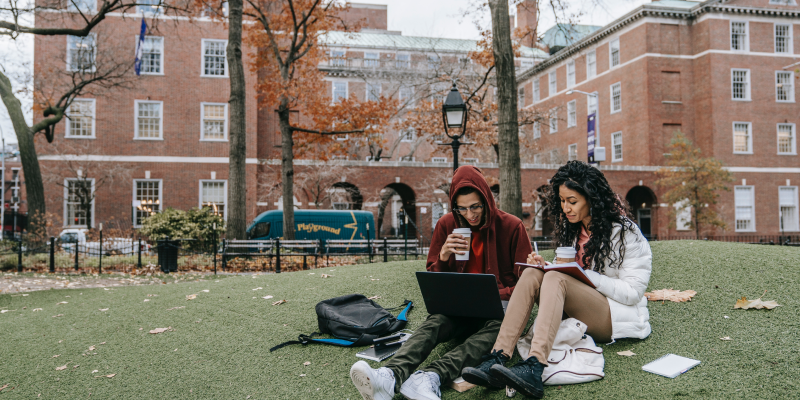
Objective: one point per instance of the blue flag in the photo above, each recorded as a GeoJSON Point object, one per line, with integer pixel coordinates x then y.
{"type": "Point", "coordinates": [137, 65]}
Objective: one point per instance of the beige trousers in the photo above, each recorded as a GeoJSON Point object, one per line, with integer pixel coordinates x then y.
{"type": "Point", "coordinates": [556, 294]}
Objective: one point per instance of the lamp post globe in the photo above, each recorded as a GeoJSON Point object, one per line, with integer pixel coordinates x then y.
{"type": "Point", "coordinates": [454, 115]}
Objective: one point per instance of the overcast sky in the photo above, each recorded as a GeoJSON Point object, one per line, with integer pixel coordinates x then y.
{"type": "Point", "coordinates": [440, 18]}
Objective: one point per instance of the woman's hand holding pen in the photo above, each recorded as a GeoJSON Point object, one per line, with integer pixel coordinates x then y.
{"type": "Point", "coordinates": [535, 259]}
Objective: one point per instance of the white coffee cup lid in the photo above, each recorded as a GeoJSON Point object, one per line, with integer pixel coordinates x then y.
{"type": "Point", "coordinates": [462, 230]}
{"type": "Point", "coordinates": [566, 251]}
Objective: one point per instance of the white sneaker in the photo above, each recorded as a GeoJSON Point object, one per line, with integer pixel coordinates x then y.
{"type": "Point", "coordinates": [373, 384]}
{"type": "Point", "coordinates": [422, 385]}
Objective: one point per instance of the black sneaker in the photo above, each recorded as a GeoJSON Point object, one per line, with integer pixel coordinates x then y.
{"type": "Point", "coordinates": [525, 377]}
{"type": "Point", "coordinates": [480, 375]}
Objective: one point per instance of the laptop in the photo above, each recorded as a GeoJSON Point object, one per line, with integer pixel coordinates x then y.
{"type": "Point", "coordinates": [461, 295]}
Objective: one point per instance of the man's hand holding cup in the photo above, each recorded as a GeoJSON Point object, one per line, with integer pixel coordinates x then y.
{"type": "Point", "coordinates": [457, 243]}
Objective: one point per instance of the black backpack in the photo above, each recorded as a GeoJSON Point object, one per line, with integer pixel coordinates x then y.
{"type": "Point", "coordinates": [353, 320]}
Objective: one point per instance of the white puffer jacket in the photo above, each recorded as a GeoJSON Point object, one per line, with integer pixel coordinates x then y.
{"type": "Point", "coordinates": [624, 286]}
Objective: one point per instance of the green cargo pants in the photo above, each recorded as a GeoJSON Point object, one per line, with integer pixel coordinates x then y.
{"type": "Point", "coordinates": [480, 337]}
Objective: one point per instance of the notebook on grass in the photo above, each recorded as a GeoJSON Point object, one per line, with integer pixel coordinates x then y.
{"type": "Point", "coordinates": [671, 365]}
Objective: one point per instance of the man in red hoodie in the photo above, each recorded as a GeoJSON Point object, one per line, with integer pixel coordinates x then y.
{"type": "Point", "coordinates": [498, 241]}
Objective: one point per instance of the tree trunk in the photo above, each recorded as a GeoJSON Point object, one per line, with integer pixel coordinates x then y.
{"type": "Point", "coordinates": [287, 169]}
{"type": "Point", "coordinates": [34, 188]}
{"type": "Point", "coordinates": [237, 173]}
{"type": "Point", "coordinates": [508, 128]}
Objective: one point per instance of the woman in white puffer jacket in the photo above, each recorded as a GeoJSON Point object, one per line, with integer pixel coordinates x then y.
{"type": "Point", "coordinates": [614, 254]}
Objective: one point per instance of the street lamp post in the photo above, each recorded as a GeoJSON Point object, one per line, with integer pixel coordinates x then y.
{"type": "Point", "coordinates": [454, 113]}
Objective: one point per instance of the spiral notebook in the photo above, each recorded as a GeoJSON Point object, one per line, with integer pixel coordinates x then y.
{"type": "Point", "coordinates": [671, 365]}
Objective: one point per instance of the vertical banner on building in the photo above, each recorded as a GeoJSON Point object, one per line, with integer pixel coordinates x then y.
{"type": "Point", "coordinates": [591, 136]}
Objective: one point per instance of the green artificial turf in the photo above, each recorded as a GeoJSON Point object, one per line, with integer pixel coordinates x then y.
{"type": "Point", "coordinates": [219, 343]}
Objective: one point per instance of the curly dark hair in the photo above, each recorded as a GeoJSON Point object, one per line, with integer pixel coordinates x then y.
{"type": "Point", "coordinates": [605, 208]}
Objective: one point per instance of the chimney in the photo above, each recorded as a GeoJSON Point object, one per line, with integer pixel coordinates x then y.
{"type": "Point", "coordinates": [526, 16]}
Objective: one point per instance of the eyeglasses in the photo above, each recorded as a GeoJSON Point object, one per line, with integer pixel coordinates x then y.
{"type": "Point", "coordinates": [474, 208]}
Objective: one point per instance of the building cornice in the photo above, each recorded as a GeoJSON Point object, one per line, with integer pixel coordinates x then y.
{"type": "Point", "coordinates": [648, 10]}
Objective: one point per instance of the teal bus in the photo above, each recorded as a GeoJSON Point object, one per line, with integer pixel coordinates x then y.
{"type": "Point", "coordinates": [315, 224]}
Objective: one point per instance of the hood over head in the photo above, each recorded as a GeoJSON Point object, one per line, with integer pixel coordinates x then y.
{"type": "Point", "coordinates": [471, 176]}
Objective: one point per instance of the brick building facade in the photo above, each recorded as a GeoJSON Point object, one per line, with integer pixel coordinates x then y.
{"type": "Point", "coordinates": [168, 133]}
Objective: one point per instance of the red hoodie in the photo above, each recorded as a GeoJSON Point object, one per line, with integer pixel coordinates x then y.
{"type": "Point", "coordinates": [506, 241]}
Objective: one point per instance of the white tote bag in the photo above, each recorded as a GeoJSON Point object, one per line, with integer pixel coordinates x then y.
{"type": "Point", "coordinates": [574, 358]}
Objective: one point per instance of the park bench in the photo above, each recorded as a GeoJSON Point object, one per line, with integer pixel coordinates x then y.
{"type": "Point", "coordinates": [270, 248]}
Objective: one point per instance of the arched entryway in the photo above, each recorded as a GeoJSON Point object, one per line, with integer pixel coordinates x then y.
{"type": "Point", "coordinates": [346, 196]}
{"type": "Point", "coordinates": [641, 200]}
{"type": "Point", "coordinates": [397, 199]}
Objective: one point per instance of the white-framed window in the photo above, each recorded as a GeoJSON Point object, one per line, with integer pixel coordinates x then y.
{"type": "Point", "coordinates": [214, 120]}
{"type": "Point", "coordinates": [80, 119]}
{"type": "Point", "coordinates": [338, 58]}
{"type": "Point", "coordinates": [77, 192]}
{"type": "Point", "coordinates": [555, 157]}
{"type": "Point", "coordinates": [783, 38]}
{"type": "Point", "coordinates": [536, 94]}
{"type": "Point", "coordinates": [787, 196]}
{"type": "Point", "coordinates": [470, 161]}
{"type": "Point", "coordinates": [784, 89]}
{"type": "Point", "coordinates": [783, 2]}
{"type": "Point", "coordinates": [521, 97]}
{"type": "Point", "coordinates": [616, 97]}
{"type": "Point", "coordinates": [403, 60]}
{"type": "Point", "coordinates": [572, 151]}
{"type": "Point", "coordinates": [372, 59]}
{"type": "Point", "coordinates": [213, 195]}
{"type": "Point", "coordinates": [405, 94]}
{"type": "Point", "coordinates": [407, 158]}
{"type": "Point", "coordinates": [373, 91]}
{"type": "Point", "coordinates": [439, 159]}
{"type": "Point", "coordinates": [81, 53]}
{"type": "Point", "coordinates": [571, 74]}
{"type": "Point", "coordinates": [554, 120]}
{"type": "Point", "coordinates": [591, 64]}
{"type": "Point", "coordinates": [339, 90]}
{"type": "Point", "coordinates": [150, 7]}
{"type": "Point", "coordinates": [739, 32]}
{"type": "Point", "coordinates": [152, 56]}
{"type": "Point", "coordinates": [683, 215]}
{"type": "Point", "coordinates": [537, 130]}
{"type": "Point", "coordinates": [149, 121]}
{"type": "Point", "coordinates": [147, 199]}
{"type": "Point", "coordinates": [740, 84]}
{"type": "Point", "coordinates": [616, 143]}
{"type": "Point", "coordinates": [787, 139]}
{"type": "Point", "coordinates": [745, 208]}
{"type": "Point", "coordinates": [553, 85]}
{"type": "Point", "coordinates": [433, 61]}
{"type": "Point", "coordinates": [537, 158]}
{"type": "Point", "coordinates": [613, 53]}
{"type": "Point", "coordinates": [341, 138]}
{"type": "Point", "coordinates": [591, 103]}
{"type": "Point", "coordinates": [572, 117]}
{"type": "Point", "coordinates": [408, 135]}
{"type": "Point", "coordinates": [742, 138]}
{"type": "Point", "coordinates": [84, 6]}
{"type": "Point", "coordinates": [215, 63]}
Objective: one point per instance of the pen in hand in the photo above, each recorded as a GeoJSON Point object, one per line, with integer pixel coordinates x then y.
{"type": "Point", "coordinates": [536, 249]}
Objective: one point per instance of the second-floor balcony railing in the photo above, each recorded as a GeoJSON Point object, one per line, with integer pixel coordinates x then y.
{"type": "Point", "coordinates": [390, 64]}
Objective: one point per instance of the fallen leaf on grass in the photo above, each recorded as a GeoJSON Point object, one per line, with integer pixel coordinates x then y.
{"type": "Point", "coordinates": [326, 276]}
{"type": "Point", "coordinates": [95, 371]}
{"type": "Point", "coordinates": [373, 298]}
{"type": "Point", "coordinates": [205, 290]}
{"type": "Point", "coordinates": [279, 302]}
{"type": "Point", "coordinates": [191, 297]}
{"type": "Point", "coordinates": [76, 366]}
{"type": "Point", "coordinates": [102, 342]}
{"type": "Point", "coordinates": [62, 302]}
{"type": "Point", "coordinates": [57, 355]}
{"type": "Point", "coordinates": [725, 338]}
{"type": "Point", "coordinates": [268, 297]}
{"type": "Point", "coordinates": [61, 368]}
{"type": "Point", "coordinates": [59, 315]}
{"type": "Point", "coordinates": [103, 309]}
{"type": "Point", "coordinates": [258, 288]}
{"type": "Point", "coordinates": [3, 387]}
{"type": "Point", "coordinates": [307, 363]}
{"type": "Point", "coordinates": [159, 330]}
{"type": "Point", "coordinates": [669, 294]}
{"type": "Point", "coordinates": [626, 353]}
{"type": "Point", "coordinates": [757, 304]}
{"type": "Point", "coordinates": [175, 308]}
{"type": "Point", "coordinates": [37, 309]}
{"type": "Point", "coordinates": [91, 348]}
{"type": "Point", "coordinates": [302, 374]}
{"type": "Point", "coordinates": [374, 279]}
{"type": "Point", "coordinates": [105, 376]}
{"type": "Point", "coordinates": [5, 311]}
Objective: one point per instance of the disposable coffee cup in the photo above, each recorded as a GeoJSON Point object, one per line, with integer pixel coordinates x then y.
{"type": "Point", "coordinates": [467, 233]}
{"type": "Point", "coordinates": [565, 255]}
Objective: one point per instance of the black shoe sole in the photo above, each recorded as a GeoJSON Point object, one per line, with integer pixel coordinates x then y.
{"type": "Point", "coordinates": [478, 377]}
{"type": "Point", "coordinates": [520, 385]}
